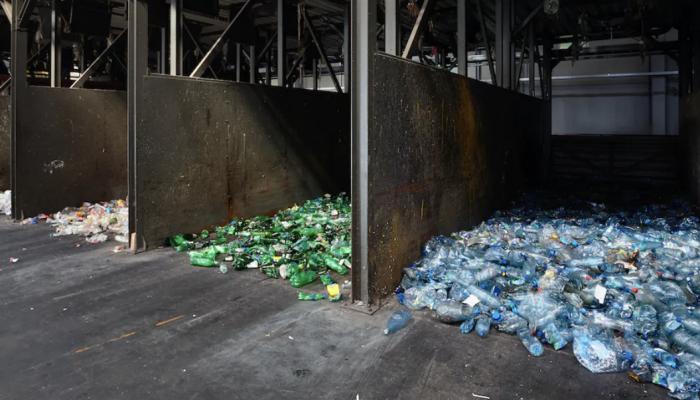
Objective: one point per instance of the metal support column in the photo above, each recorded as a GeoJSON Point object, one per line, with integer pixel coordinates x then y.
{"type": "Point", "coordinates": [175, 41]}
{"type": "Point", "coordinates": [504, 49]}
{"type": "Point", "coordinates": [364, 44]}
{"type": "Point", "coordinates": [392, 43]}
{"type": "Point", "coordinates": [347, 44]}
{"type": "Point", "coordinates": [546, 79]}
{"type": "Point", "coordinates": [531, 59]}
{"type": "Point", "coordinates": [253, 65]}
{"type": "Point", "coordinates": [18, 67]}
{"type": "Point", "coordinates": [137, 60]}
{"type": "Point", "coordinates": [268, 69]}
{"type": "Point", "coordinates": [238, 62]}
{"type": "Point", "coordinates": [462, 37]}
{"type": "Point", "coordinates": [281, 44]}
{"type": "Point", "coordinates": [487, 44]}
{"type": "Point", "coordinates": [314, 73]}
{"type": "Point", "coordinates": [695, 41]}
{"type": "Point", "coordinates": [56, 48]}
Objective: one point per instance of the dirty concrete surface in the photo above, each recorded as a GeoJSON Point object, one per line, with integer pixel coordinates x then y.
{"type": "Point", "coordinates": [87, 323]}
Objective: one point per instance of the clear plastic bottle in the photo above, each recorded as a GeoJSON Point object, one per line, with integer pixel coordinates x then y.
{"type": "Point", "coordinates": [554, 336]}
{"type": "Point", "coordinates": [484, 297]}
{"type": "Point", "coordinates": [451, 311]}
{"type": "Point", "coordinates": [483, 325]}
{"type": "Point", "coordinates": [397, 321]}
{"type": "Point", "coordinates": [530, 342]}
{"type": "Point", "coordinates": [467, 326]}
{"type": "Point", "coordinates": [686, 341]}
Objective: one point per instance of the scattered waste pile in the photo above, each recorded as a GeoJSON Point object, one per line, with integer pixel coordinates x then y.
{"type": "Point", "coordinates": [301, 244]}
{"type": "Point", "coordinates": [97, 222]}
{"type": "Point", "coordinates": [620, 287]}
{"type": "Point", "coordinates": [6, 203]}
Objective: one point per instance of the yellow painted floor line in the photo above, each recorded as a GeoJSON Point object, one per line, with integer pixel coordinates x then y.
{"type": "Point", "coordinates": [167, 321]}
{"type": "Point", "coordinates": [116, 339]}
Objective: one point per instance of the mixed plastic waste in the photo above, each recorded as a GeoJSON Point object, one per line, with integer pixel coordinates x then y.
{"type": "Point", "coordinates": [97, 222]}
{"type": "Point", "coordinates": [6, 203]}
{"type": "Point", "coordinates": [621, 287]}
{"type": "Point", "coordinates": [301, 244]}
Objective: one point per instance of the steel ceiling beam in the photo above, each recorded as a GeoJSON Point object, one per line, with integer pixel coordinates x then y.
{"type": "Point", "coordinates": [418, 27]}
{"type": "Point", "coordinates": [322, 52]}
{"type": "Point", "coordinates": [98, 62]}
{"type": "Point", "coordinates": [219, 43]}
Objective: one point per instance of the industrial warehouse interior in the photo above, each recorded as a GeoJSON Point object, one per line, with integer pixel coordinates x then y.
{"type": "Point", "coordinates": [376, 199]}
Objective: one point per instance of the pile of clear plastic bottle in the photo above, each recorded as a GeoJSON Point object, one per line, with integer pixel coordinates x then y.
{"type": "Point", "coordinates": [5, 202]}
{"type": "Point", "coordinates": [97, 222]}
{"type": "Point", "coordinates": [621, 288]}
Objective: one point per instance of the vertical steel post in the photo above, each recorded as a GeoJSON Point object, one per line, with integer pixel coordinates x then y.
{"type": "Point", "coordinates": [163, 52]}
{"type": "Point", "coordinates": [137, 60]}
{"type": "Point", "coordinates": [364, 44]}
{"type": "Point", "coordinates": [252, 62]}
{"type": "Point", "coordinates": [56, 48]}
{"type": "Point", "coordinates": [281, 44]}
{"type": "Point", "coordinates": [347, 45]}
{"type": "Point", "coordinates": [238, 62]}
{"type": "Point", "coordinates": [462, 47]}
{"type": "Point", "coordinates": [392, 45]}
{"type": "Point", "coordinates": [175, 41]}
{"type": "Point", "coordinates": [504, 50]}
{"type": "Point", "coordinates": [695, 41]}
{"type": "Point", "coordinates": [268, 68]}
{"type": "Point", "coordinates": [531, 59]}
{"type": "Point", "coordinates": [314, 73]}
{"type": "Point", "coordinates": [18, 67]}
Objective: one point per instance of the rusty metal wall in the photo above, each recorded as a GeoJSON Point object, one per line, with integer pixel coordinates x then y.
{"type": "Point", "coordinates": [211, 150]}
{"type": "Point", "coordinates": [690, 136]}
{"type": "Point", "coordinates": [444, 153]}
{"type": "Point", "coordinates": [5, 144]}
{"type": "Point", "coordinates": [71, 147]}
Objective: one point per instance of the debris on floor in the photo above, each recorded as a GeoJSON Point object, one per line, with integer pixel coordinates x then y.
{"type": "Point", "coordinates": [97, 222]}
{"type": "Point", "coordinates": [621, 287]}
{"type": "Point", "coordinates": [300, 244]}
{"type": "Point", "coordinates": [6, 203]}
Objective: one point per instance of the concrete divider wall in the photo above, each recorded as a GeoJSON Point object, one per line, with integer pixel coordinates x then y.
{"type": "Point", "coordinates": [211, 150]}
{"type": "Point", "coordinates": [71, 147]}
{"type": "Point", "coordinates": [444, 153]}
{"type": "Point", "coordinates": [5, 144]}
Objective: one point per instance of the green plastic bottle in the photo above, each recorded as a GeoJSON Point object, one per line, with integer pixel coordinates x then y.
{"type": "Point", "coordinates": [202, 259]}
{"type": "Point", "coordinates": [302, 278]}
{"type": "Point", "coordinates": [180, 244]}
{"type": "Point", "coordinates": [326, 280]}
{"type": "Point", "coordinates": [334, 265]}
{"type": "Point", "coordinates": [310, 296]}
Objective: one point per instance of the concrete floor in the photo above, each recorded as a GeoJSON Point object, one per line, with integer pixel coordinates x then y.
{"type": "Point", "coordinates": [85, 323]}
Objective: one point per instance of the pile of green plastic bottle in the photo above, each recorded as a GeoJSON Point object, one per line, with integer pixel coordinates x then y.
{"type": "Point", "coordinates": [299, 244]}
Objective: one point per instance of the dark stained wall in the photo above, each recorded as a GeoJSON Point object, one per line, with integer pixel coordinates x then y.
{"type": "Point", "coordinates": [71, 147]}
{"type": "Point", "coordinates": [5, 144]}
{"type": "Point", "coordinates": [212, 150]}
{"type": "Point", "coordinates": [444, 153]}
{"type": "Point", "coordinates": [690, 133]}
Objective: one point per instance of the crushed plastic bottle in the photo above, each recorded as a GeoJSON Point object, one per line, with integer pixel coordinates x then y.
{"type": "Point", "coordinates": [397, 321]}
{"type": "Point", "coordinates": [621, 286]}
